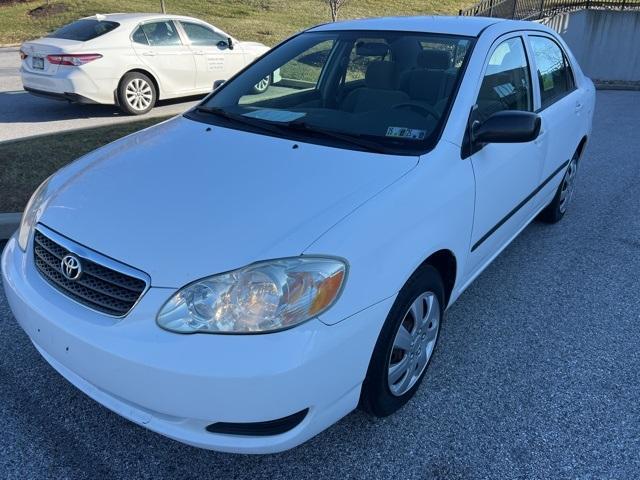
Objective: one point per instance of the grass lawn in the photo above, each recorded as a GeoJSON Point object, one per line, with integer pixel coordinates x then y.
{"type": "Point", "coordinates": [266, 21]}
{"type": "Point", "coordinates": [26, 163]}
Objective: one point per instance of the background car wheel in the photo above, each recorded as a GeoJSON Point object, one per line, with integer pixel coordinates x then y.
{"type": "Point", "coordinates": [556, 209]}
{"type": "Point", "coordinates": [262, 85]}
{"type": "Point", "coordinates": [405, 345]}
{"type": "Point", "coordinates": [136, 93]}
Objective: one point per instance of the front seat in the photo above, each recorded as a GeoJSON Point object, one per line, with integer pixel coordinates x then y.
{"type": "Point", "coordinates": [428, 83]}
{"type": "Point", "coordinates": [378, 91]}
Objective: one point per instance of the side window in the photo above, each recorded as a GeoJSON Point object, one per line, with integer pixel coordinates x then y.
{"type": "Point", "coordinates": [554, 74]}
{"type": "Point", "coordinates": [299, 74]}
{"type": "Point", "coordinates": [201, 35]}
{"type": "Point", "coordinates": [506, 84]}
{"type": "Point", "coordinates": [161, 33]}
{"type": "Point", "coordinates": [139, 36]}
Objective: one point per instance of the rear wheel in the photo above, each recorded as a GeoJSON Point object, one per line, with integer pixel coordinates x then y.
{"type": "Point", "coordinates": [136, 93]}
{"type": "Point", "coordinates": [405, 345]}
{"type": "Point", "coordinates": [554, 212]}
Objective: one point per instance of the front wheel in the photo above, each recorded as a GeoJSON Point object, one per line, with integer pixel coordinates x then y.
{"type": "Point", "coordinates": [262, 85]}
{"type": "Point", "coordinates": [554, 212]}
{"type": "Point", "coordinates": [405, 345]}
{"type": "Point", "coordinates": [136, 93]}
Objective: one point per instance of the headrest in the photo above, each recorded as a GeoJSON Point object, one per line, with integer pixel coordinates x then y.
{"type": "Point", "coordinates": [434, 59]}
{"type": "Point", "coordinates": [371, 49]}
{"type": "Point", "coordinates": [380, 75]}
{"type": "Point", "coordinates": [512, 61]}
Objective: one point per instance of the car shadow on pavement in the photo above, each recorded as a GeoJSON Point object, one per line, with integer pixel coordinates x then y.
{"type": "Point", "coordinates": [19, 106]}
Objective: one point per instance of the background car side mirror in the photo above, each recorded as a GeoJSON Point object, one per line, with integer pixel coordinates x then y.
{"type": "Point", "coordinates": [217, 83]}
{"type": "Point", "coordinates": [507, 126]}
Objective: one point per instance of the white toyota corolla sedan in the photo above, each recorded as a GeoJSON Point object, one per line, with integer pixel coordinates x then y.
{"type": "Point", "coordinates": [133, 60]}
{"type": "Point", "coordinates": [241, 277]}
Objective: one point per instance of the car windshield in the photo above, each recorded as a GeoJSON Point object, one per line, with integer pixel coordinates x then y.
{"type": "Point", "coordinates": [83, 30]}
{"type": "Point", "coordinates": [374, 90]}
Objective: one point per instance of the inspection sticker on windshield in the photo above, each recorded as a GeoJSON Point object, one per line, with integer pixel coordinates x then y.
{"type": "Point", "coordinates": [408, 133]}
{"type": "Point", "coordinates": [273, 115]}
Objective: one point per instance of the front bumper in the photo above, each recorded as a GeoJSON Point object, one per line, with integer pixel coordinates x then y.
{"type": "Point", "coordinates": [176, 384]}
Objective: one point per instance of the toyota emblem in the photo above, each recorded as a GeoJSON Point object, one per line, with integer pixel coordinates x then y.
{"type": "Point", "coordinates": [71, 267]}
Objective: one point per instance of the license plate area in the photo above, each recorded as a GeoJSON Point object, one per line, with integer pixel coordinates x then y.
{"type": "Point", "coordinates": [37, 63]}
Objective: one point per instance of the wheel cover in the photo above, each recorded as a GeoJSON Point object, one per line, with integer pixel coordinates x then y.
{"type": "Point", "coordinates": [568, 185]}
{"type": "Point", "coordinates": [414, 343]}
{"type": "Point", "coordinates": [138, 94]}
{"type": "Point", "coordinates": [263, 84]}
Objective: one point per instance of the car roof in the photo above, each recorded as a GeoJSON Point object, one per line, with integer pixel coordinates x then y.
{"type": "Point", "coordinates": [135, 18]}
{"type": "Point", "coordinates": [458, 25]}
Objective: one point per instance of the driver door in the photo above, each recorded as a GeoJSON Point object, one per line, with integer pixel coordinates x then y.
{"type": "Point", "coordinates": [215, 59]}
{"type": "Point", "coordinates": [506, 174]}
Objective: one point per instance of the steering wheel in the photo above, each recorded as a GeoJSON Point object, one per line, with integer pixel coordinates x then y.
{"type": "Point", "coordinates": [418, 107]}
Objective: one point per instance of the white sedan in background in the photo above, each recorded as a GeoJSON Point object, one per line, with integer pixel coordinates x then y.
{"type": "Point", "coordinates": [133, 60]}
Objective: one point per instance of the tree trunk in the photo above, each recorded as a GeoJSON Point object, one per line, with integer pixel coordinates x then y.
{"type": "Point", "coordinates": [162, 6]}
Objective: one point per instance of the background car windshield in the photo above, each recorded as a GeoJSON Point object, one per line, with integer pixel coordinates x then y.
{"type": "Point", "coordinates": [84, 30]}
{"type": "Point", "coordinates": [391, 87]}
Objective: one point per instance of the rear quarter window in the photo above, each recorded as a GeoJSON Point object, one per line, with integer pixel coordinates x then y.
{"type": "Point", "coordinates": [84, 30]}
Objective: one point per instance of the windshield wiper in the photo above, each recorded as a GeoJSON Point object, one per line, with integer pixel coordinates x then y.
{"type": "Point", "coordinates": [236, 117]}
{"type": "Point", "coordinates": [296, 126]}
{"type": "Point", "coordinates": [353, 139]}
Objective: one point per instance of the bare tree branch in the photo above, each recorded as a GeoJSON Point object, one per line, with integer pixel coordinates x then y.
{"type": "Point", "coordinates": [334, 7]}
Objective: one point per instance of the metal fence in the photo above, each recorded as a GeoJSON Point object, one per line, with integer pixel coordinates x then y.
{"type": "Point", "coordinates": [537, 9]}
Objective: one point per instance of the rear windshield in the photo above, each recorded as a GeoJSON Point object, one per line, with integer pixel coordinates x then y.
{"type": "Point", "coordinates": [84, 30]}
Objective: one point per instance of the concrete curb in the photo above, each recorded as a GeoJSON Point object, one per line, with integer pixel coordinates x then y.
{"type": "Point", "coordinates": [8, 224]}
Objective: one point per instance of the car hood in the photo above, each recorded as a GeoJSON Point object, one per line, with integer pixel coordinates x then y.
{"type": "Point", "coordinates": [183, 200]}
{"type": "Point", "coordinates": [254, 46]}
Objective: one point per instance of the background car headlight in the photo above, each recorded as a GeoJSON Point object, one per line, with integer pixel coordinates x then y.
{"type": "Point", "coordinates": [261, 297]}
{"type": "Point", "coordinates": [32, 214]}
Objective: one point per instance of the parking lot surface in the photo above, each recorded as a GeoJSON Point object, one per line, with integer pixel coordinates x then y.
{"type": "Point", "coordinates": [24, 115]}
{"type": "Point", "coordinates": [536, 374]}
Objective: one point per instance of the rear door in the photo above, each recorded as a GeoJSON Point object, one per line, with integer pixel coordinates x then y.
{"type": "Point", "coordinates": [561, 105]}
{"type": "Point", "coordinates": [159, 46]}
{"type": "Point", "coordinates": [215, 59]}
{"type": "Point", "coordinates": [506, 174]}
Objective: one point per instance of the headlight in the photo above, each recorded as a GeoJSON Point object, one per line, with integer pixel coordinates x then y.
{"type": "Point", "coordinates": [261, 297]}
{"type": "Point", "coordinates": [32, 214]}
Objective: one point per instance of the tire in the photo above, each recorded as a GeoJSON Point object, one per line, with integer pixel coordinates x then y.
{"type": "Point", "coordinates": [262, 85]}
{"type": "Point", "coordinates": [136, 93]}
{"type": "Point", "coordinates": [554, 212]}
{"type": "Point", "coordinates": [385, 388]}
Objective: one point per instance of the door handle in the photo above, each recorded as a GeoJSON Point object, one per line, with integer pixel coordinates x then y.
{"type": "Point", "coordinates": [578, 107]}
{"type": "Point", "coordinates": [149, 53]}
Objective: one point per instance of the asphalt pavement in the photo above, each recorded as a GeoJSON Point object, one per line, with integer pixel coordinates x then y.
{"type": "Point", "coordinates": [536, 375]}
{"type": "Point", "coordinates": [24, 115]}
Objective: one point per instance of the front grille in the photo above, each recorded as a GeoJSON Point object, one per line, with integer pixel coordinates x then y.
{"type": "Point", "coordinates": [100, 288]}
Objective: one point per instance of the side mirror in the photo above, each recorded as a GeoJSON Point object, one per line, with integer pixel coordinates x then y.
{"type": "Point", "coordinates": [230, 43]}
{"type": "Point", "coordinates": [217, 83]}
{"type": "Point", "coordinates": [507, 126]}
